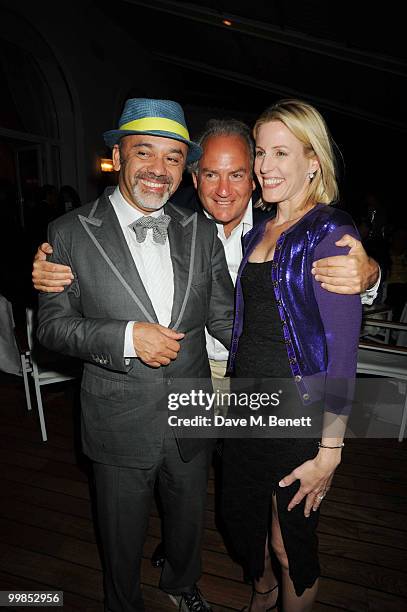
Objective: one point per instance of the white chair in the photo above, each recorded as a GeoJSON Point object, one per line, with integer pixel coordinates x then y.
{"type": "Point", "coordinates": [402, 335]}
{"type": "Point", "coordinates": [387, 361]}
{"type": "Point", "coordinates": [381, 312]}
{"type": "Point", "coordinates": [12, 358]}
{"type": "Point", "coordinates": [9, 352]}
{"type": "Point", "coordinates": [65, 369]}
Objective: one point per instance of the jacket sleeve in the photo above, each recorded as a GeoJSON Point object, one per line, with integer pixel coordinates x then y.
{"type": "Point", "coordinates": [219, 321]}
{"type": "Point", "coordinates": [63, 328]}
{"type": "Point", "coordinates": [341, 317]}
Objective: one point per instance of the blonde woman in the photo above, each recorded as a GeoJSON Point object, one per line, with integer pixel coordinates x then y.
{"type": "Point", "coordinates": [287, 327]}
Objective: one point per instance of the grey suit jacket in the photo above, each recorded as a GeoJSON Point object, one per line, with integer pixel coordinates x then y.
{"type": "Point", "coordinates": [124, 402]}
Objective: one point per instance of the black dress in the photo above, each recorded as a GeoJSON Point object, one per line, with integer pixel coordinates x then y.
{"type": "Point", "coordinates": [252, 468]}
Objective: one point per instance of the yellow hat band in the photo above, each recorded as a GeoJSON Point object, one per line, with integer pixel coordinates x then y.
{"type": "Point", "coordinates": [156, 123]}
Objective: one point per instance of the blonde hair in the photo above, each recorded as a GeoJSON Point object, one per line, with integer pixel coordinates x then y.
{"type": "Point", "coordinates": [306, 123]}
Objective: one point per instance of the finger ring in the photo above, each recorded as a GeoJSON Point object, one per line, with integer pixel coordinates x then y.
{"type": "Point", "coordinates": [321, 496]}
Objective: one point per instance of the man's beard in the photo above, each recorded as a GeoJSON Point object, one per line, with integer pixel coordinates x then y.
{"type": "Point", "coordinates": [151, 200]}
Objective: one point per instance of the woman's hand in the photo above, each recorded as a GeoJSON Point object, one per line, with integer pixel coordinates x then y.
{"type": "Point", "coordinates": [315, 476]}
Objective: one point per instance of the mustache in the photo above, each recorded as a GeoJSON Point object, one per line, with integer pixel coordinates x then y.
{"type": "Point", "coordinates": [149, 176]}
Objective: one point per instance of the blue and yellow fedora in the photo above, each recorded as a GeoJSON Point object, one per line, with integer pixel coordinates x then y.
{"type": "Point", "coordinates": [163, 118]}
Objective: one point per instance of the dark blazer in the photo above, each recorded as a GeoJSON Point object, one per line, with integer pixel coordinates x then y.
{"type": "Point", "coordinates": [124, 402]}
{"type": "Point", "coordinates": [187, 197]}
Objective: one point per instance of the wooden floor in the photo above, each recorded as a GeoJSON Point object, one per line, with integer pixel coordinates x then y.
{"type": "Point", "coordinates": [47, 539]}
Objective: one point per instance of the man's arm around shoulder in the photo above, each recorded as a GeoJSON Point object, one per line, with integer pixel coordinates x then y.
{"type": "Point", "coordinates": [62, 326]}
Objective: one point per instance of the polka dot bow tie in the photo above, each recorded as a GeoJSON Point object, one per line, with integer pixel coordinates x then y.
{"type": "Point", "coordinates": [159, 225]}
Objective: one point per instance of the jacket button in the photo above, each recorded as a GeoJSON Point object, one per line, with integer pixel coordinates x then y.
{"type": "Point", "coordinates": [305, 396]}
{"type": "Point", "coordinates": [297, 378]}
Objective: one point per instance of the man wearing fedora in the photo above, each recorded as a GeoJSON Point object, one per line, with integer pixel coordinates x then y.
{"type": "Point", "coordinates": [148, 278]}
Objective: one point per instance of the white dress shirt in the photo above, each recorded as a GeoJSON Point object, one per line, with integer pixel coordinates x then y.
{"type": "Point", "coordinates": [369, 296]}
{"type": "Point", "coordinates": [234, 253]}
{"type": "Point", "coordinates": [153, 262]}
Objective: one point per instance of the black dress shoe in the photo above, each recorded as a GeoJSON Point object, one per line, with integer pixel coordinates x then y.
{"type": "Point", "coordinates": [191, 601]}
{"type": "Point", "coordinates": [158, 556]}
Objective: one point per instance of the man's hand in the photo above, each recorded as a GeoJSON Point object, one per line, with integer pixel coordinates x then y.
{"type": "Point", "coordinates": [154, 344]}
{"type": "Point", "coordinates": [47, 276]}
{"type": "Point", "coordinates": [350, 274]}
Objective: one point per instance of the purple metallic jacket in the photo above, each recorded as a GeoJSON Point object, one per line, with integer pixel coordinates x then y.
{"type": "Point", "coordinates": [306, 332]}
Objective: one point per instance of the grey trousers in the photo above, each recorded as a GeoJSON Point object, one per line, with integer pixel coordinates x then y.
{"type": "Point", "coordinates": [124, 497]}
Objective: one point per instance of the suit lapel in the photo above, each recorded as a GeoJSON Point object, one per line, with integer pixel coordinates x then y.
{"type": "Point", "coordinates": [103, 228]}
{"type": "Point", "coordinates": [182, 239]}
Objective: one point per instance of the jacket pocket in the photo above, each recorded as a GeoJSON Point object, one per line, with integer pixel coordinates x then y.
{"type": "Point", "coordinates": [105, 387]}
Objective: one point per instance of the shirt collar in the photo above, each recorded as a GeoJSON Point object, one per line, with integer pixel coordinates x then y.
{"type": "Point", "coordinates": [246, 223]}
{"type": "Point", "coordinates": [247, 220]}
{"type": "Point", "coordinates": [125, 212]}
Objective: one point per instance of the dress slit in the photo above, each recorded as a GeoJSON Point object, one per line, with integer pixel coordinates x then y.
{"type": "Point", "coordinates": [253, 467]}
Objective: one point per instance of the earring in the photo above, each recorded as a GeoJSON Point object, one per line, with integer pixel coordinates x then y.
{"type": "Point", "coordinates": [311, 175]}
